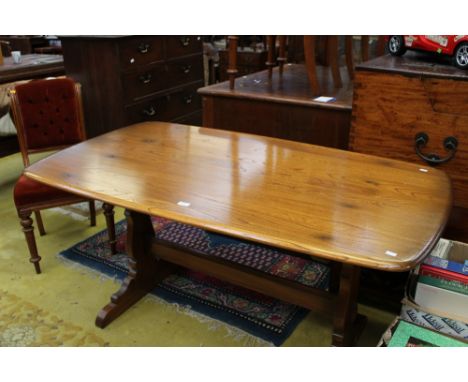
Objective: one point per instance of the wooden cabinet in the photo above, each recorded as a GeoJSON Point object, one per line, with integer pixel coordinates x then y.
{"type": "Point", "coordinates": [397, 98]}
{"type": "Point", "coordinates": [129, 79]}
{"type": "Point", "coordinates": [281, 107]}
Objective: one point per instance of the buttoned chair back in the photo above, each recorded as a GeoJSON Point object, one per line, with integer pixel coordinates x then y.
{"type": "Point", "coordinates": [48, 115]}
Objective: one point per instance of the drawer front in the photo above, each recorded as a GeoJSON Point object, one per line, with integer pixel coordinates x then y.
{"type": "Point", "coordinates": [165, 107]}
{"type": "Point", "coordinates": [140, 50]}
{"type": "Point", "coordinates": [145, 81]}
{"type": "Point", "coordinates": [184, 70]}
{"type": "Point", "coordinates": [177, 46]}
{"type": "Point", "coordinates": [389, 110]}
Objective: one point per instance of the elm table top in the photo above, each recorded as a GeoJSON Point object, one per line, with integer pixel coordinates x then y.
{"type": "Point", "coordinates": [339, 205]}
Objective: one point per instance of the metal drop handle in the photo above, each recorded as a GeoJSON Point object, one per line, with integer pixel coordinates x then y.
{"type": "Point", "coordinates": [143, 48]}
{"type": "Point", "coordinates": [145, 78]}
{"type": "Point", "coordinates": [186, 69]}
{"type": "Point", "coordinates": [151, 111]}
{"type": "Point", "coordinates": [450, 144]}
{"type": "Point", "coordinates": [184, 40]}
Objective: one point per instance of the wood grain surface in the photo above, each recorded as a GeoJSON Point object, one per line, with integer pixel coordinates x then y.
{"type": "Point", "coordinates": [339, 205]}
{"type": "Point", "coordinates": [292, 87]}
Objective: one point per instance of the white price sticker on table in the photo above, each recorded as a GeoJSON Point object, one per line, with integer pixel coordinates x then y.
{"type": "Point", "coordinates": [325, 99]}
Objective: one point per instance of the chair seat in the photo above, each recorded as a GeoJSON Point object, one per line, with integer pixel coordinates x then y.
{"type": "Point", "coordinates": [30, 192]}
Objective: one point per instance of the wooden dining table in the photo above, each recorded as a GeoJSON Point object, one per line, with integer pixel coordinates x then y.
{"type": "Point", "coordinates": [349, 209]}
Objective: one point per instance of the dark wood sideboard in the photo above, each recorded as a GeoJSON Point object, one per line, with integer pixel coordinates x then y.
{"type": "Point", "coordinates": [129, 79]}
{"type": "Point", "coordinates": [397, 98]}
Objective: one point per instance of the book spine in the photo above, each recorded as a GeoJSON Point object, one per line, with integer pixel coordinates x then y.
{"type": "Point", "coordinates": [439, 282]}
{"type": "Point", "coordinates": [451, 304]}
{"type": "Point", "coordinates": [428, 270]}
{"type": "Point", "coordinates": [446, 264]}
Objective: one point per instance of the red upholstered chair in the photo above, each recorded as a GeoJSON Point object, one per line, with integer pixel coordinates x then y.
{"type": "Point", "coordinates": [48, 117]}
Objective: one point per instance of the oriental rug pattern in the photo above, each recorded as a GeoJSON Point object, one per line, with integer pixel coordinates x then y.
{"type": "Point", "coordinates": [257, 314]}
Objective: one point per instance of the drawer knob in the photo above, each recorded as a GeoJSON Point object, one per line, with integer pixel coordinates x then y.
{"type": "Point", "coordinates": [149, 112]}
{"type": "Point", "coordinates": [146, 78]}
{"type": "Point", "coordinates": [143, 48]}
{"type": "Point", "coordinates": [186, 69]}
{"type": "Point", "coordinates": [188, 99]}
{"type": "Point", "coordinates": [450, 145]}
{"type": "Point", "coordinates": [184, 40]}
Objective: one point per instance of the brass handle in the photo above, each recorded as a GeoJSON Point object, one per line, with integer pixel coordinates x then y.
{"type": "Point", "coordinates": [151, 111]}
{"type": "Point", "coordinates": [146, 78]}
{"type": "Point", "coordinates": [186, 69]}
{"type": "Point", "coordinates": [450, 145]}
{"type": "Point", "coordinates": [143, 48]}
{"type": "Point", "coordinates": [188, 99]}
{"type": "Point", "coordinates": [184, 40]}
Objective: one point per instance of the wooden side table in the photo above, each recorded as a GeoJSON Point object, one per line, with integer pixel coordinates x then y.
{"type": "Point", "coordinates": [282, 106]}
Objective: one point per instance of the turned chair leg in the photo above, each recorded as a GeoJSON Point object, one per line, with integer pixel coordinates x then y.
{"type": "Point", "coordinates": [309, 55]}
{"type": "Point", "coordinates": [92, 213]}
{"type": "Point", "coordinates": [109, 214]}
{"type": "Point", "coordinates": [28, 229]}
{"type": "Point", "coordinates": [40, 224]}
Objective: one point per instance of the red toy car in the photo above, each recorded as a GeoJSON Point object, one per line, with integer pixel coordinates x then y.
{"type": "Point", "coordinates": [454, 46]}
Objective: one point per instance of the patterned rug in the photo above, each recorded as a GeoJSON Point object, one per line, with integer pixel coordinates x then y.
{"type": "Point", "coordinates": [25, 324]}
{"type": "Point", "coordinates": [257, 314]}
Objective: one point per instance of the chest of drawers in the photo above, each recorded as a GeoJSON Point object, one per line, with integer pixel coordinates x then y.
{"type": "Point", "coordinates": [396, 100]}
{"type": "Point", "coordinates": [130, 79]}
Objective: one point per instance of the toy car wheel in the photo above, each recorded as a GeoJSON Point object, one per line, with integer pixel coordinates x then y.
{"type": "Point", "coordinates": [460, 58]}
{"type": "Point", "coordinates": [396, 45]}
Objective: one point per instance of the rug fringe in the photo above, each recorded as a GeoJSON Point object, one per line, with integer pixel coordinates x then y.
{"type": "Point", "coordinates": [213, 324]}
{"type": "Point", "coordinates": [238, 335]}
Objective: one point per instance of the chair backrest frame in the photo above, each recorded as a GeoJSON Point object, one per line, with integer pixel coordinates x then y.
{"type": "Point", "coordinates": [21, 131]}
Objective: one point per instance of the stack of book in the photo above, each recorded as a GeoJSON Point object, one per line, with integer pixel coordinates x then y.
{"type": "Point", "coordinates": [442, 284]}
{"type": "Point", "coordinates": [436, 300]}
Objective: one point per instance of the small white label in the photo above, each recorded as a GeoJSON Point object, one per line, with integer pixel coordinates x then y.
{"type": "Point", "coordinates": [325, 99]}
{"type": "Point", "coordinates": [390, 253]}
{"type": "Point", "coordinates": [183, 204]}
{"type": "Point", "coordinates": [423, 170]}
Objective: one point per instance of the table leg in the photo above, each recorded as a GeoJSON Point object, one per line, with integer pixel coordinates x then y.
{"type": "Point", "coordinates": [347, 323]}
{"type": "Point", "coordinates": [109, 214]}
{"type": "Point", "coordinates": [146, 270]}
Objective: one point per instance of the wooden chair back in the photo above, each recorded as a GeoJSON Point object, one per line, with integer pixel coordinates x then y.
{"type": "Point", "coordinates": [48, 115]}
{"type": "Point", "coordinates": [331, 56]}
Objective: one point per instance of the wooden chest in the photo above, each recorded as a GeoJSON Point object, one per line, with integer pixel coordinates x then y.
{"type": "Point", "coordinates": [130, 79]}
{"type": "Point", "coordinates": [396, 100]}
